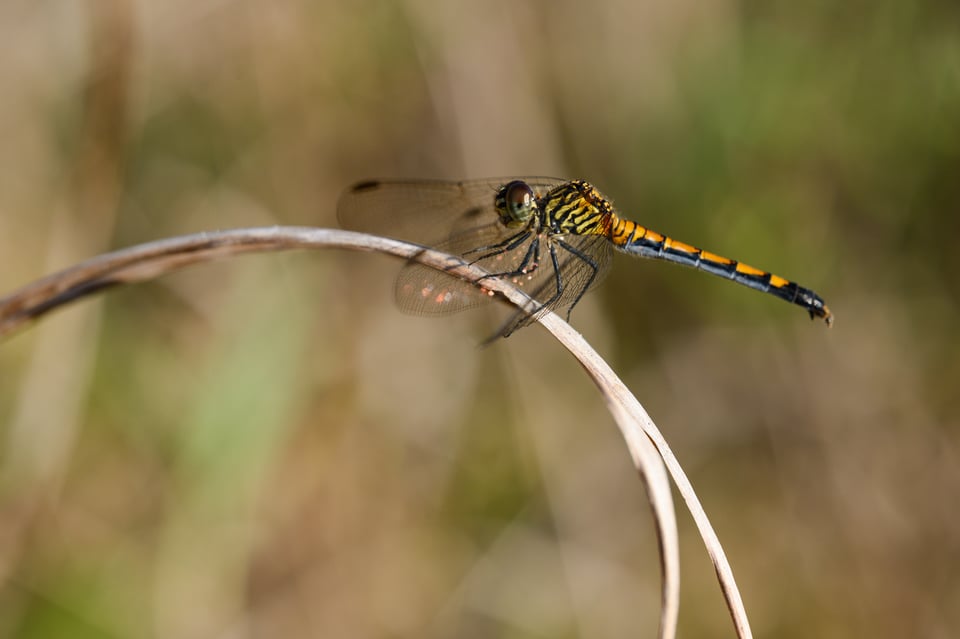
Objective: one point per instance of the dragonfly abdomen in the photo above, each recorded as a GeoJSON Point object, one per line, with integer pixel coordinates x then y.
{"type": "Point", "coordinates": [633, 238]}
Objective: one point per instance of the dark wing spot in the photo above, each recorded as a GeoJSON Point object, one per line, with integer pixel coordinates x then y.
{"type": "Point", "coordinates": [474, 212]}
{"type": "Point", "coordinates": [365, 186]}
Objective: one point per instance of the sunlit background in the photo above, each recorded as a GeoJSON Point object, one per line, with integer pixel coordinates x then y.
{"type": "Point", "coordinates": [266, 447]}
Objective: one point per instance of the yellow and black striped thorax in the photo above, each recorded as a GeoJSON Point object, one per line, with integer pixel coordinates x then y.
{"type": "Point", "coordinates": [576, 208]}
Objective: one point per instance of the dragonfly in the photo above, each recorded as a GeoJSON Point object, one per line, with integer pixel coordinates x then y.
{"type": "Point", "coordinates": [550, 237]}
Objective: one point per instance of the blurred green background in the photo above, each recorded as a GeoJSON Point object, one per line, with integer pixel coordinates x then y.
{"type": "Point", "coordinates": [265, 447]}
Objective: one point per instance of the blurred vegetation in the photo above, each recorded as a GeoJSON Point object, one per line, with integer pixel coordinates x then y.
{"type": "Point", "coordinates": [266, 447]}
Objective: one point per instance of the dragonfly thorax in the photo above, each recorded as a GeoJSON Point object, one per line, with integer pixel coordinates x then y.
{"type": "Point", "coordinates": [577, 208]}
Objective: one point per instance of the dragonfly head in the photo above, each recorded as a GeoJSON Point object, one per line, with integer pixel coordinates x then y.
{"type": "Point", "coordinates": [515, 203]}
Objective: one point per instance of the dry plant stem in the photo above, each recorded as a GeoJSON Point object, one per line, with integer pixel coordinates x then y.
{"type": "Point", "coordinates": [635, 426]}
{"type": "Point", "coordinates": [728, 584]}
{"type": "Point", "coordinates": [146, 261]}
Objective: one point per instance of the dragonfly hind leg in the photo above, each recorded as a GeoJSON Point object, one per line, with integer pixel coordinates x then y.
{"type": "Point", "coordinates": [594, 269]}
{"type": "Point", "coordinates": [557, 278]}
{"type": "Point", "coordinates": [523, 318]}
{"type": "Point", "coordinates": [560, 285]}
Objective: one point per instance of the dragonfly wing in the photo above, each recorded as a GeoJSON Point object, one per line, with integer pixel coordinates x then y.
{"type": "Point", "coordinates": [518, 256]}
{"type": "Point", "coordinates": [584, 260]}
{"type": "Point", "coordinates": [583, 274]}
{"type": "Point", "coordinates": [421, 290]}
{"type": "Point", "coordinates": [424, 211]}
{"type": "Point", "coordinates": [459, 218]}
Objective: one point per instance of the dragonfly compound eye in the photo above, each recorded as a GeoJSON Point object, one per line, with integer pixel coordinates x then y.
{"type": "Point", "coordinates": [515, 203]}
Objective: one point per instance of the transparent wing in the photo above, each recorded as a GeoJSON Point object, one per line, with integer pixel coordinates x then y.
{"type": "Point", "coordinates": [421, 290]}
{"type": "Point", "coordinates": [584, 262]}
{"type": "Point", "coordinates": [424, 211]}
{"type": "Point", "coordinates": [459, 218]}
{"type": "Point", "coordinates": [525, 259]}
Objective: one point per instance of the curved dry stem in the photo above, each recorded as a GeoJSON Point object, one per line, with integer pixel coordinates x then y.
{"type": "Point", "coordinates": [644, 442]}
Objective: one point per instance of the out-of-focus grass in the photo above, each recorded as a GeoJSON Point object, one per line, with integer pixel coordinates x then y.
{"type": "Point", "coordinates": [266, 447]}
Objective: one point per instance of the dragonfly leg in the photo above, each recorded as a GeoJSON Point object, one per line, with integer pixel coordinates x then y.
{"type": "Point", "coordinates": [492, 250]}
{"type": "Point", "coordinates": [594, 269]}
{"type": "Point", "coordinates": [557, 277]}
{"type": "Point", "coordinates": [529, 263]}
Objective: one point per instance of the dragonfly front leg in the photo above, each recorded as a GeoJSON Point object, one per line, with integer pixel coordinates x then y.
{"type": "Point", "coordinates": [529, 263]}
{"type": "Point", "coordinates": [493, 250]}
